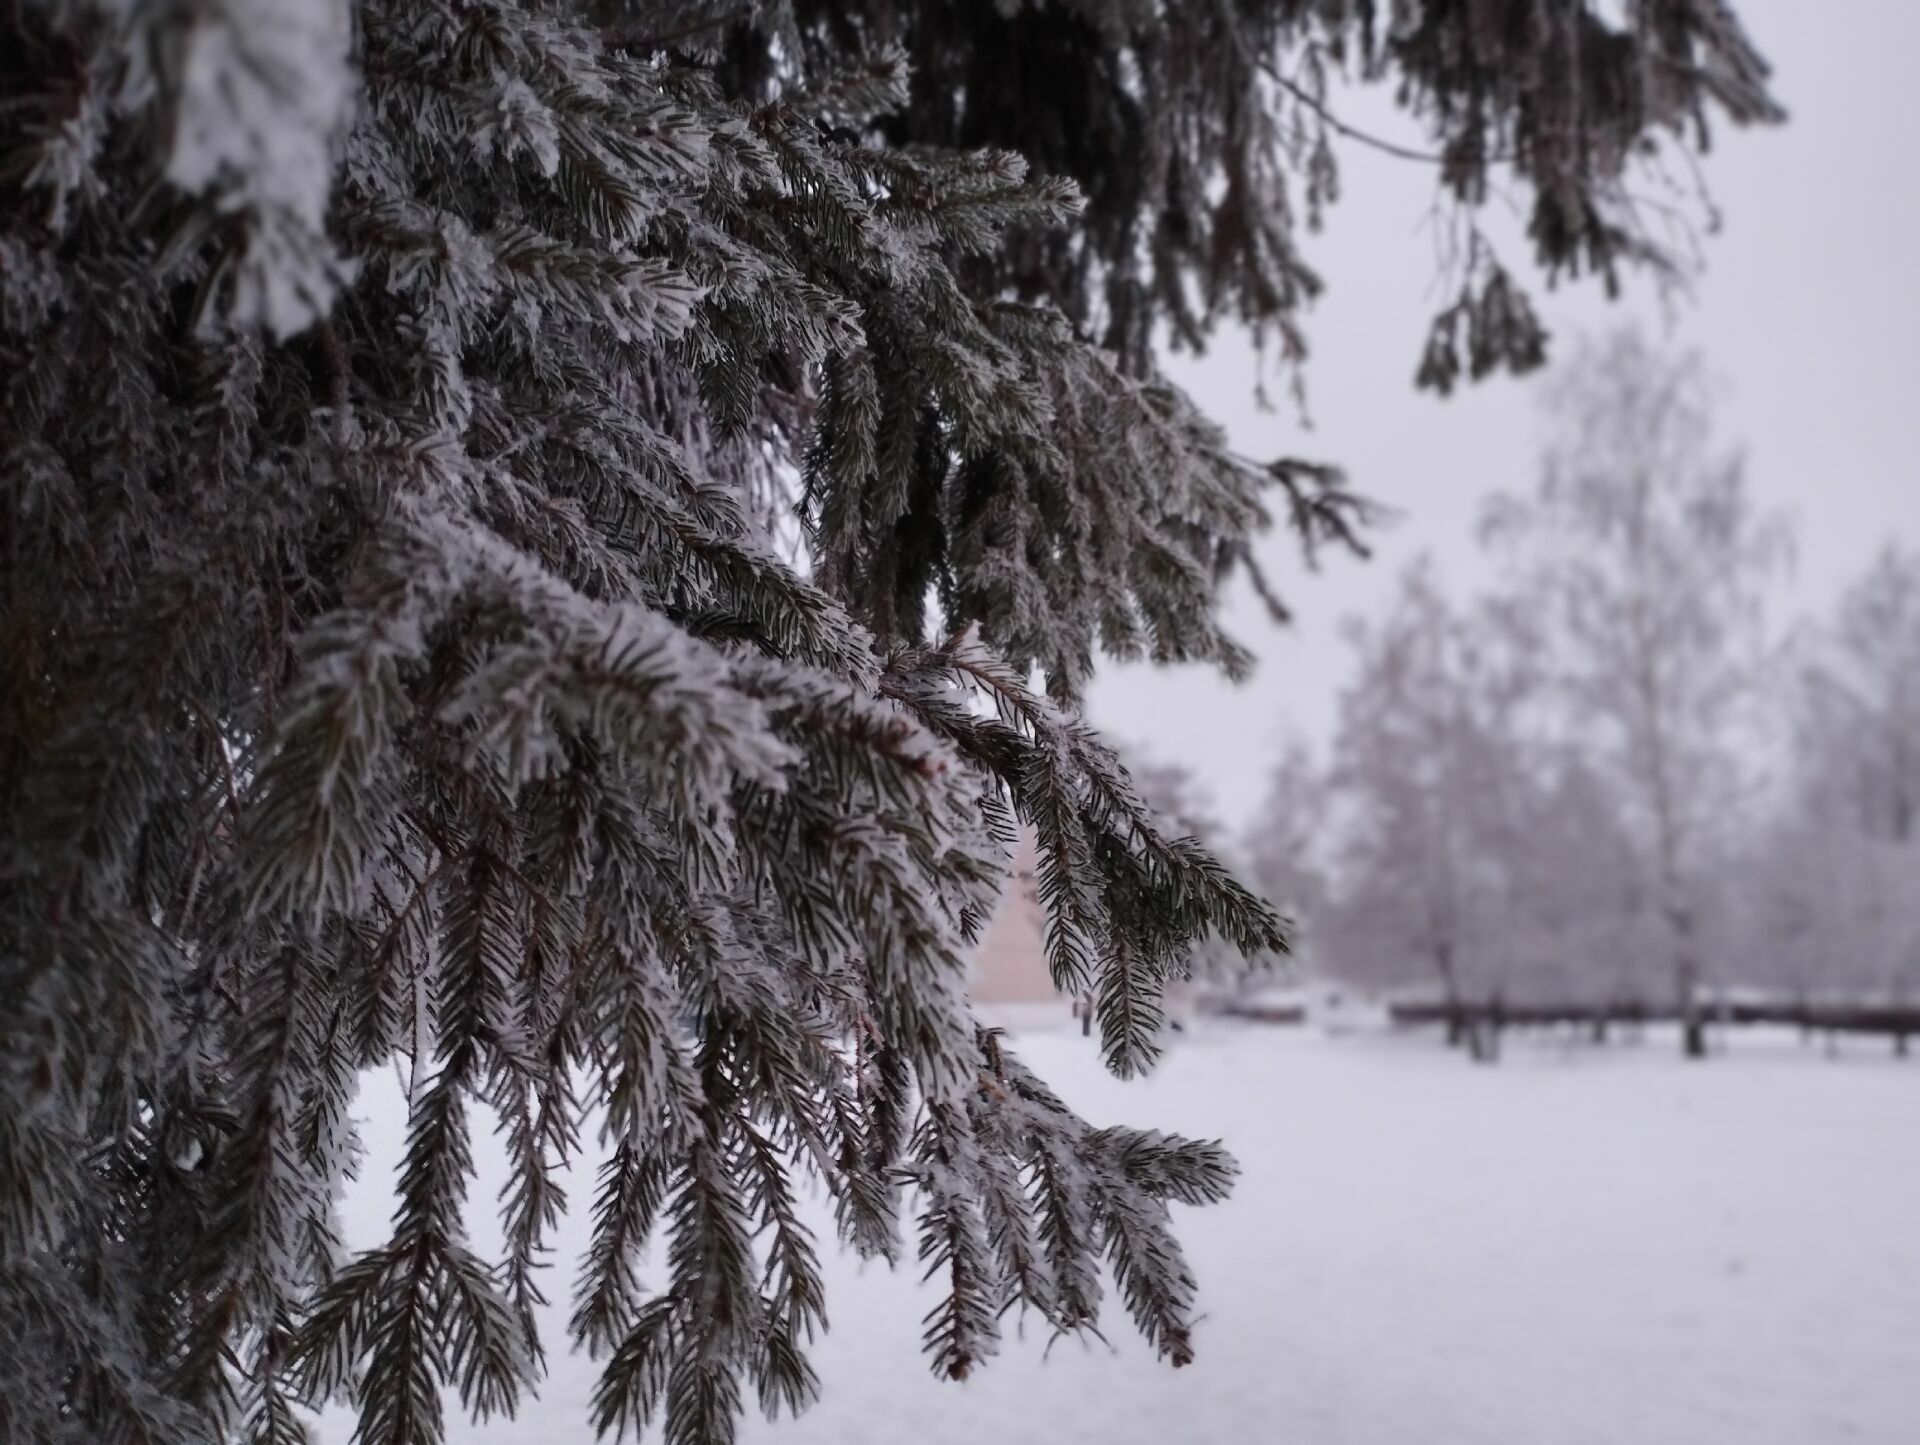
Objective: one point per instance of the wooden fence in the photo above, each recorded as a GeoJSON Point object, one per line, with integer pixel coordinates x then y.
{"type": "Point", "coordinates": [1898, 1022]}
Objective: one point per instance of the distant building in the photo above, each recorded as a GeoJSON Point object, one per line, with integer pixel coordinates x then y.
{"type": "Point", "coordinates": [1010, 983]}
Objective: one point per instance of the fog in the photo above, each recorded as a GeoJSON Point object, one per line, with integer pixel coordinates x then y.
{"type": "Point", "coordinates": [1804, 310]}
{"type": "Point", "coordinates": [573, 863]}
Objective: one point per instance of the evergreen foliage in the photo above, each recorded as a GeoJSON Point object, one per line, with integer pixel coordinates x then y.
{"type": "Point", "coordinates": [1205, 135]}
{"type": "Point", "coordinates": [398, 400]}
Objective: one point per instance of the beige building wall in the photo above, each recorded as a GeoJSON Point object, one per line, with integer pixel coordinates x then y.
{"type": "Point", "coordinates": [1010, 965]}
{"type": "Point", "coordinates": [1009, 979]}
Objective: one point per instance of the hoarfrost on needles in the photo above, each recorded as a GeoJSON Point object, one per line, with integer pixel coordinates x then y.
{"type": "Point", "coordinates": [267, 87]}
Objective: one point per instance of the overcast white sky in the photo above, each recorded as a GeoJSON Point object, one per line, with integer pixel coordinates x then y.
{"type": "Point", "coordinates": [1808, 311]}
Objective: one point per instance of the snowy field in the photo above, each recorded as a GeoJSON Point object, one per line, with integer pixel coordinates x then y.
{"type": "Point", "coordinates": [1580, 1247]}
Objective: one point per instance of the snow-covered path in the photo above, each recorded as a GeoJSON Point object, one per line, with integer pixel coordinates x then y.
{"type": "Point", "coordinates": [1580, 1247]}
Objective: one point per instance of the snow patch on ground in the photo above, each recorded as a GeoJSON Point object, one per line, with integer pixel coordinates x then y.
{"type": "Point", "coordinates": [1581, 1246]}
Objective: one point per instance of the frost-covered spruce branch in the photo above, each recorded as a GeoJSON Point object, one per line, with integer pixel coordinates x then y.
{"type": "Point", "coordinates": [429, 696]}
{"type": "Point", "coordinates": [399, 674]}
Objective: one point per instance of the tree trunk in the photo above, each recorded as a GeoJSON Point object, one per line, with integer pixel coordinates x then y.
{"type": "Point", "coordinates": [1693, 1033]}
{"type": "Point", "coordinates": [1483, 1032]}
{"type": "Point", "coordinates": [1686, 975]}
{"type": "Point", "coordinates": [1458, 1028]}
{"type": "Point", "coordinates": [1481, 1047]}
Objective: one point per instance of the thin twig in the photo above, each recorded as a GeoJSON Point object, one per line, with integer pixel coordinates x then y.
{"type": "Point", "coordinates": [392, 934]}
{"type": "Point", "coordinates": [220, 747]}
{"type": "Point", "coordinates": [1367, 138]}
{"type": "Point", "coordinates": [629, 37]}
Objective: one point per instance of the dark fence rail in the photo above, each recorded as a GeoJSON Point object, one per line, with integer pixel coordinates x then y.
{"type": "Point", "coordinates": [1896, 1021]}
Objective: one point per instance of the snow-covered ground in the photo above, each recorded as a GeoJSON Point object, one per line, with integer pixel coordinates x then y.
{"type": "Point", "coordinates": [1580, 1247]}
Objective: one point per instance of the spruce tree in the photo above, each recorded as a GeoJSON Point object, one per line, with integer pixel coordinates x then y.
{"type": "Point", "coordinates": [403, 404]}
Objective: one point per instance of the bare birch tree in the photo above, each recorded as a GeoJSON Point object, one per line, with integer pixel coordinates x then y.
{"type": "Point", "coordinates": [1420, 773]}
{"type": "Point", "coordinates": [1646, 567]}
